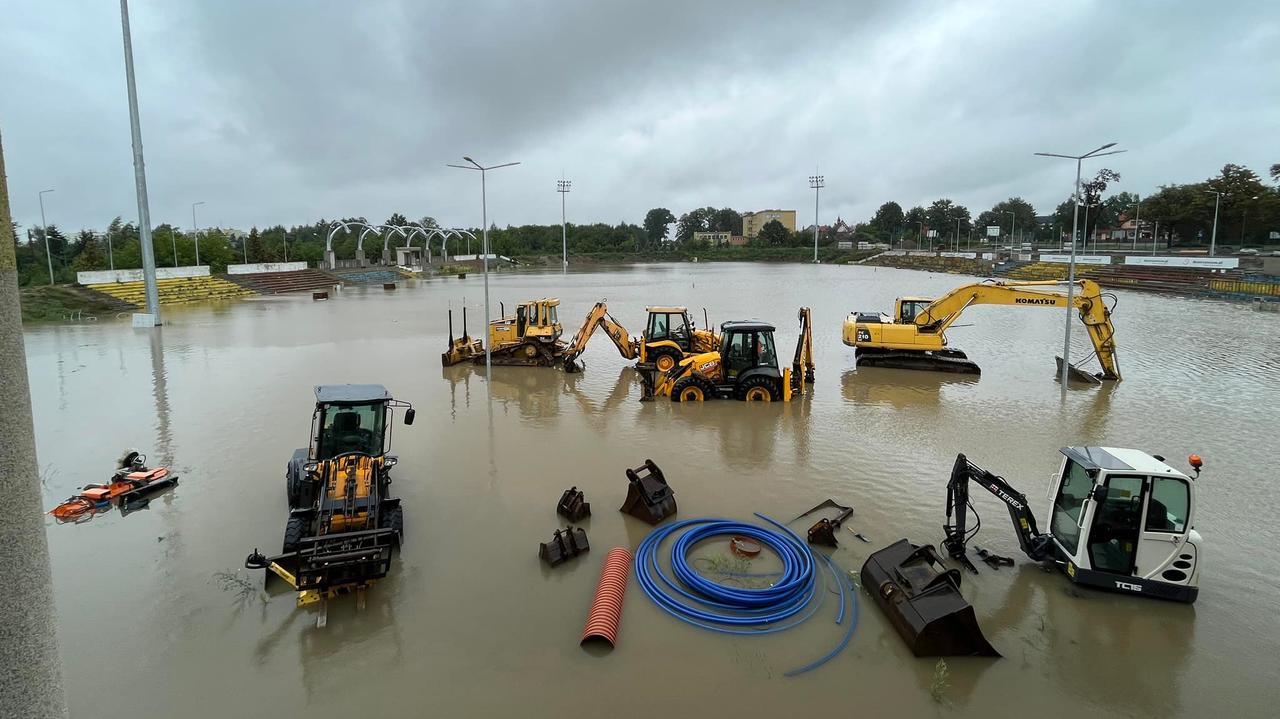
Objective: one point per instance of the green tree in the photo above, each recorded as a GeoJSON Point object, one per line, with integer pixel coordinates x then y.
{"type": "Point", "coordinates": [1275, 172]}
{"type": "Point", "coordinates": [726, 220]}
{"type": "Point", "coordinates": [90, 255]}
{"type": "Point", "coordinates": [254, 248]}
{"type": "Point", "coordinates": [943, 216]}
{"type": "Point", "coordinates": [774, 234]}
{"type": "Point", "coordinates": [888, 219]}
{"type": "Point", "coordinates": [397, 220]}
{"type": "Point", "coordinates": [693, 221]}
{"type": "Point", "coordinates": [1023, 219]}
{"type": "Point", "coordinates": [656, 226]}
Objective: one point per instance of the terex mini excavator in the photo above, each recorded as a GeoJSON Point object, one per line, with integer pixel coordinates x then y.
{"type": "Point", "coordinates": [915, 337]}
{"type": "Point", "coordinates": [746, 367]}
{"type": "Point", "coordinates": [669, 337]}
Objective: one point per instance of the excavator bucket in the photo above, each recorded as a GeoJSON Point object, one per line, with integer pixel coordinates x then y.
{"type": "Point", "coordinates": [648, 496]}
{"type": "Point", "coordinates": [922, 600]}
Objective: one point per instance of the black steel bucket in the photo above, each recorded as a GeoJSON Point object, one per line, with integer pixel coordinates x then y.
{"type": "Point", "coordinates": [921, 598]}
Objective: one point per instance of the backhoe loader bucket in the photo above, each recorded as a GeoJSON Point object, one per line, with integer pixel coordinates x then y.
{"type": "Point", "coordinates": [922, 600]}
{"type": "Point", "coordinates": [648, 496]}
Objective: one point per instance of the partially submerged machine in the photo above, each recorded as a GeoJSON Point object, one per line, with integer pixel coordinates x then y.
{"type": "Point", "coordinates": [1121, 520]}
{"type": "Point", "coordinates": [915, 336]}
{"type": "Point", "coordinates": [745, 367]}
{"type": "Point", "coordinates": [530, 337]}
{"type": "Point", "coordinates": [130, 488]}
{"type": "Point", "coordinates": [669, 336]}
{"type": "Point", "coordinates": [343, 522]}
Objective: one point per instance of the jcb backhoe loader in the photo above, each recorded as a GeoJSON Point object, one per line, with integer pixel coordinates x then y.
{"type": "Point", "coordinates": [529, 338]}
{"type": "Point", "coordinates": [915, 337]}
{"type": "Point", "coordinates": [343, 522]}
{"type": "Point", "coordinates": [669, 337]}
{"type": "Point", "coordinates": [746, 367]}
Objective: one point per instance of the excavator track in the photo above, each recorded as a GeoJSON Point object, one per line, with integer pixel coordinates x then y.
{"type": "Point", "coordinates": [949, 360]}
{"type": "Point", "coordinates": [526, 354]}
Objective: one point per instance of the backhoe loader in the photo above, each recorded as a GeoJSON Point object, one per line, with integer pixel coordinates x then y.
{"type": "Point", "coordinates": [529, 338]}
{"type": "Point", "coordinates": [915, 337]}
{"type": "Point", "coordinates": [343, 523]}
{"type": "Point", "coordinates": [745, 368]}
{"type": "Point", "coordinates": [669, 337]}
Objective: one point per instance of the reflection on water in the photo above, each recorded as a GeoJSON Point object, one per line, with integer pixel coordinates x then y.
{"type": "Point", "coordinates": [225, 392]}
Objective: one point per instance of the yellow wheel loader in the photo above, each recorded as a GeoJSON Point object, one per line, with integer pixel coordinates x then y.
{"type": "Point", "coordinates": [669, 337]}
{"type": "Point", "coordinates": [745, 367]}
{"type": "Point", "coordinates": [343, 522]}
{"type": "Point", "coordinates": [530, 338]}
{"type": "Point", "coordinates": [915, 337]}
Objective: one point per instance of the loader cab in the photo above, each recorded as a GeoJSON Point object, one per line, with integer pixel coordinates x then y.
{"type": "Point", "coordinates": [747, 349]}
{"type": "Point", "coordinates": [669, 324]}
{"type": "Point", "coordinates": [536, 319]}
{"type": "Point", "coordinates": [909, 308]}
{"type": "Point", "coordinates": [1124, 519]}
{"type": "Point", "coordinates": [352, 419]}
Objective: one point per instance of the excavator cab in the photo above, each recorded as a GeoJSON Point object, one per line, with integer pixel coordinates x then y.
{"type": "Point", "coordinates": [910, 307]}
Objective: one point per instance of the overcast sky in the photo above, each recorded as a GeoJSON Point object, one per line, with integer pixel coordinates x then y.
{"type": "Point", "coordinates": [289, 111]}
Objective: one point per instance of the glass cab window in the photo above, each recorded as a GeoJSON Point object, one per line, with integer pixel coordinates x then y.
{"type": "Point", "coordinates": [765, 355]}
{"type": "Point", "coordinates": [1169, 506]}
{"type": "Point", "coordinates": [738, 353]}
{"type": "Point", "coordinates": [351, 429]}
{"type": "Point", "coordinates": [910, 310]}
{"type": "Point", "coordinates": [658, 326]}
{"type": "Point", "coordinates": [1064, 524]}
{"type": "Point", "coordinates": [1117, 521]}
{"type": "Point", "coordinates": [552, 315]}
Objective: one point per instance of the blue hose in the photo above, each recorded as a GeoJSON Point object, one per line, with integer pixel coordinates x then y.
{"type": "Point", "coordinates": [698, 601]}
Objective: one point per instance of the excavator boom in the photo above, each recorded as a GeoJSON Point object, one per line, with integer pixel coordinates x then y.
{"type": "Point", "coordinates": [1035, 545]}
{"type": "Point", "coordinates": [599, 317]}
{"type": "Point", "coordinates": [916, 337]}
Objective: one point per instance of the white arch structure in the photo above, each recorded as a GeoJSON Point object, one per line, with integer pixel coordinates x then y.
{"type": "Point", "coordinates": [346, 226]}
{"type": "Point", "coordinates": [405, 232]}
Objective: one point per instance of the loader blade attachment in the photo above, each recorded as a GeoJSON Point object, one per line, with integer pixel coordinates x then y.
{"type": "Point", "coordinates": [922, 600]}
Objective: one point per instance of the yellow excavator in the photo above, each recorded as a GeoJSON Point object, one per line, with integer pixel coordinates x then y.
{"type": "Point", "coordinates": [530, 338]}
{"type": "Point", "coordinates": [915, 337]}
{"type": "Point", "coordinates": [745, 367]}
{"type": "Point", "coordinates": [669, 337]}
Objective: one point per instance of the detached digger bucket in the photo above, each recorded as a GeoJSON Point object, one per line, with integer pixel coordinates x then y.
{"type": "Point", "coordinates": [922, 600]}
{"type": "Point", "coordinates": [648, 496]}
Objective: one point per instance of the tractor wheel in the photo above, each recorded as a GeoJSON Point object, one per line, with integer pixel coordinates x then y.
{"type": "Point", "coordinates": [294, 531]}
{"type": "Point", "coordinates": [393, 518]}
{"type": "Point", "coordinates": [757, 389]}
{"type": "Point", "coordinates": [665, 360]}
{"type": "Point", "coordinates": [689, 389]}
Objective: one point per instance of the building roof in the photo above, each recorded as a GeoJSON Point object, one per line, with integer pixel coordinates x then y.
{"type": "Point", "coordinates": [351, 393]}
{"type": "Point", "coordinates": [746, 326]}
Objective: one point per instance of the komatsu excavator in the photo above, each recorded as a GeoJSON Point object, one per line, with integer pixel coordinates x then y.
{"type": "Point", "coordinates": [915, 337]}
{"type": "Point", "coordinates": [745, 367]}
{"type": "Point", "coordinates": [669, 337]}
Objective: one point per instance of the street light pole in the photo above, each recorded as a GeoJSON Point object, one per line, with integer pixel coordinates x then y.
{"type": "Point", "coordinates": [484, 217]}
{"type": "Point", "coordinates": [1137, 223]}
{"type": "Point", "coordinates": [817, 182]}
{"type": "Point", "coordinates": [1213, 240]}
{"type": "Point", "coordinates": [562, 186]}
{"type": "Point", "coordinates": [45, 232]}
{"type": "Point", "coordinates": [195, 229]}
{"type": "Point", "coordinates": [140, 177]}
{"type": "Point", "coordinates": [284, 238]}
{"type": "Point", "coordinates": [957, 234]}
{"type": "Point", "coordinates": [174, 240]}
{"type": "Point", "coordinates": [1071, 270]}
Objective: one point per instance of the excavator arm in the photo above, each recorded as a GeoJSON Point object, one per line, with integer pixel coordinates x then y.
{"type": "Point", "coordinates": [1036, 545]}
{"type": "Point", "coordinates": [802, 362]}
{"type": "Point", "coordinates": [599, 317]}
{"type": "Point", "coordinates": [1096, 316]}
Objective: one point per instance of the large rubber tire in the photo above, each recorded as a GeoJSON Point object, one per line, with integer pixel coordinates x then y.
{"type": "Point", "coordinates": [393, 518]}
{"type": "Point", "coordinates": [664, 359]}
{"type": "Point", "coordinates": [689, 389]}
{"type": "Point", "coordinates": [758, 389]}
{"type": "Point", "coordinates": [294, 531]}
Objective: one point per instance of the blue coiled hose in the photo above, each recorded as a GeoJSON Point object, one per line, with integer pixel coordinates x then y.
{"type": "Point", "coordinates": [696, 600]}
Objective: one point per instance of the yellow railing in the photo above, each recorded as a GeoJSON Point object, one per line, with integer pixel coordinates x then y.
{"type": "Point", "coordinates": [175, 291]}
{"type": "Point", "coordinates": [1240, 287]}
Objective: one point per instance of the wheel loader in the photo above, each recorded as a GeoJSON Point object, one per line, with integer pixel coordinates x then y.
{"type": "Point", "coordinates": [530, 338]}
{"type": "Point", "coordinates": [669, 337]}
{"type": "Point", "coordinates": [745, 367]}
{"type": "Point", "coordinates": [343, 522]}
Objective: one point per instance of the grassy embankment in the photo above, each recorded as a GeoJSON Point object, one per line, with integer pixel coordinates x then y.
{"type": "Point", "coordinates": [57, 303]}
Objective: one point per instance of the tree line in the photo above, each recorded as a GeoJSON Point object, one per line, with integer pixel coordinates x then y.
{"type": "Point", "coordinates": [1248, 211]}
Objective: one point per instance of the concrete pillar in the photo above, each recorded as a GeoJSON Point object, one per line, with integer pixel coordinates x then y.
{"type": "Point", "coordinates": [30, 670]}
{"type": "Point", "coordinates": [331, 259]}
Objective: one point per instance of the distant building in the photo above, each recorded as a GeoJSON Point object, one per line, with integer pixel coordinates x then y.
{"type": "Point", "coordinates": [753, 222]}
{"type": "Point", "coordinates": [738, 241]}
{"type": "Point", "coordinates": [715, 239]}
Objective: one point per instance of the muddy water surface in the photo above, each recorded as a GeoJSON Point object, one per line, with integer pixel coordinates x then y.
{"type": "Point", "coordinates": [471, 624]}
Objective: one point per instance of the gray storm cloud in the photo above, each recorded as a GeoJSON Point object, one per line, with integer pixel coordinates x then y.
{"type": "Point", "coordinates": [291, 111]}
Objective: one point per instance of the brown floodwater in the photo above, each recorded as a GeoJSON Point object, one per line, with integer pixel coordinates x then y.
{"type": "Point", "coordinates": [470, 623]}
